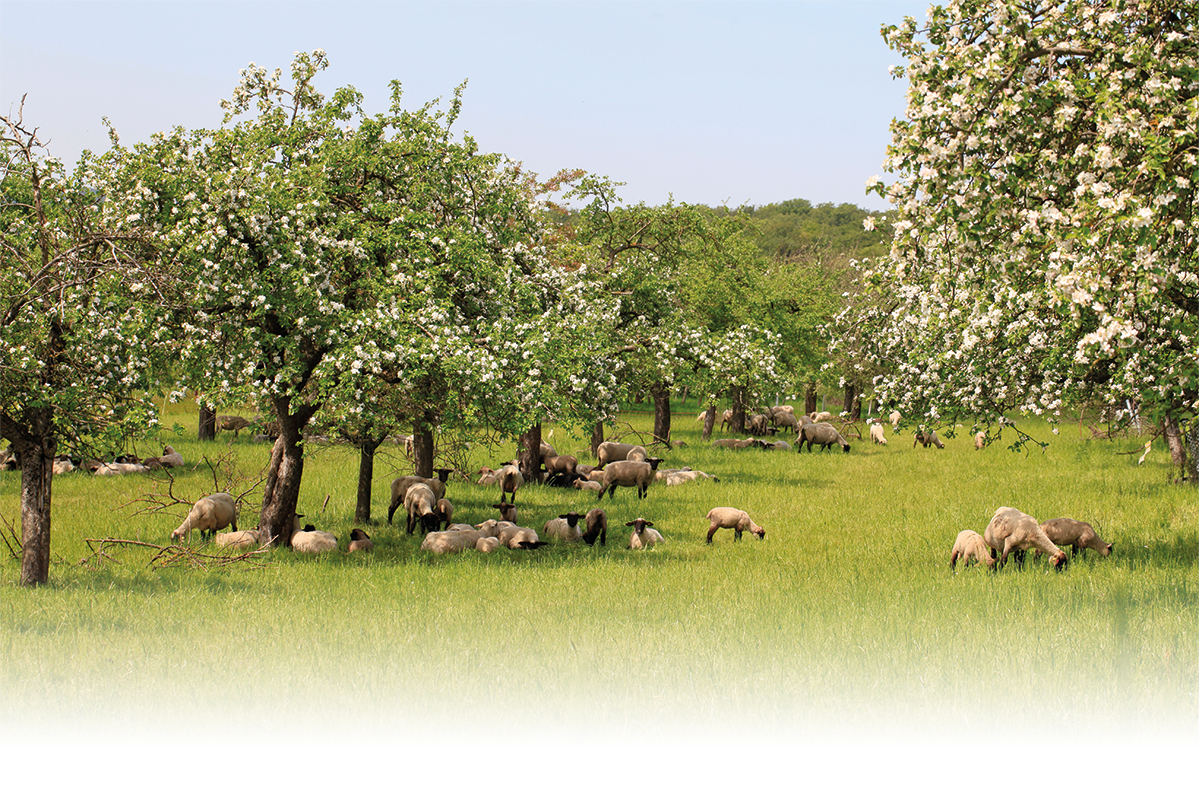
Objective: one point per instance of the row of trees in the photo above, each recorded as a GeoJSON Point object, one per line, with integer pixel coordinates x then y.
{"type": "Point", "coordinates": [360, 272]}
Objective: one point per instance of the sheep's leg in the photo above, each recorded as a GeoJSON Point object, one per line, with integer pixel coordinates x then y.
{"type": "Point", "coordinates": [712, 528]}
{"type": "Point", "coordinates": [391, 509]}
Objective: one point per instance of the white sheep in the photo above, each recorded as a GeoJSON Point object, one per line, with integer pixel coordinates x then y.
{"type": "Point", "coordinates": [112, 469]}
{"type": "Point", "coordinates": [212, 513]}
{"type": "Point", "coordinates": [313, 542]}
{"type": "Point", "coordinates": [980, 439]}
{"type": "Point", "coordinates": [170, 458]}
{"type": "Point", "coordinates": [732, 518]}
{"type": "Point", "coordinates": [643, 536]}
{"type": "Point", "coordinates": [488, 544]}
{"type": "Point", "coordinates": [822, 416]}
{"type": "Point", "coordinates": [420, 503]}
{"type": "Point", "coordinates": [517, 537]}
{"type": "Point", "coordinates": [630, 474]}
{"type": "Point", "coordinates": [894, 418]}
{"type": "Point", "coordinates": [401, 485]}
{"type": "Point", "coordinates": [459, 539]}
{"type": "Point", "coordinates": [969, 546]}
{"type": "Point", "coordinates": [445, 509]}
{"type": "Point", "coordinates": [238, 539]}
{"type": "Point", "coordinates": [1079, 535]}
{"type": "Point", "coordinates": [565, 528]}
{"type": "Point", "coordinates": [876, 434]}
{"type": "Point", "coordinates": [587, 485]}
{"type": "Point", "coordinates": [927, 437]}
{"type": "Point", "coordinates": [1012, 531]}
{"type": "Point", "coordinates": [612, 451]}
{"type": "Point", "coordinates": [509, 479]}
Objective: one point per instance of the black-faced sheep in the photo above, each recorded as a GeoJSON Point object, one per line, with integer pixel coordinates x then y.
{"type": "Point", "coordinates": [509, 479]}
{"type": "Point", "coordinates": [210, 514]}
{"type": "Point", "coordinates": [360, 541]}
{"type": "Point", "coordinates": [1011, 531]}
{"type": "Point", "coordinates": [565, 528]}
{"type": "Point", "coordinates": [421, 503]}
{"type": "Point", "coordinates": [969, 546]}
{"type": "Point", "coordinates": [401, 485]}
{"type": "Point", "coordinates": [630, 474]}
{"type": "Point", "coordinates": [445, 510]}
{"type": "Point", "coordinates": [595, 525]}
{"type": "Point", "coordinates": [732, 518]}
{"type": "Point", "coordinates": [643, 536]}
{"type": "Point", "coordinates": [507, 511]}
{"type": "Point", "coordinates": [311, 541]}
{"type": "Point", "coordinates": [821, 433]}
{"type": "Point", "coordinates": [1079, 535]}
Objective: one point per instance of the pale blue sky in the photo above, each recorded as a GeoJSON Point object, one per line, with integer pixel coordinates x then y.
{"type": "Point", "coordinates": [713, 102]}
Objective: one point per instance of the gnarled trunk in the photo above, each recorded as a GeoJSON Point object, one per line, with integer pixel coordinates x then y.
{"type": "Point", "coordinates": [529, 453]}
{"type": "Point", "coordinates": [597, 438]}
{"type": "Point", "coordinates": [207, 431]}
{"type": "Point", "coordinates": [738, 422]}
{"type": "Point", "coordinates": [809, 399]}
{"type": "Point", "coordinates": [1174, 442]}
{"type": "Point", "coordinates": [35, 447]}
{"type": "Point", "coordinates": [282, 492]}
{"type": "Point", "coordinates": [709, 422]}
{"type": "Point", "coordinates": [852, 409]}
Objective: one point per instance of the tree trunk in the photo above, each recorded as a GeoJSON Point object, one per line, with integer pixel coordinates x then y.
{"type": "Point", "coordinates": [207, 430]}
{"type": "Point", "coordinates": [662, 414]}
{"type": "Point", "coordinates": [282, 492]}
{"type": "Point", "coordinates": [809, 400]}
{"type": "Point", "coordinates": [597, 438]}
{"type": "Point", "coordinates": [366, 474]}
{"type": "Point", "coordinates": [709, 422]}
{"type": "Point", "coordinates": [851, 410]}
{"type": "Point", "coordinates": [35, 448]}
{"type": "Point", "coordinates": [1174, 442]}
{"type": "Point", "coordinates": [422, 445]}
{"type": "Point", "coordinates": [738, 423]}
{"type": "Point", "coordinates": [529, 453]}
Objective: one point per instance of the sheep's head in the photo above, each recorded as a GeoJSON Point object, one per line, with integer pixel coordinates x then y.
{"type": "Point", "coordinates": [638, 525]}
{"type": "Point", "coordinates": [1059, 561]}
{"type": "Point", "coordinates": [572, 519]}
{"type": "Point", "coordinates": [845, 448]}
{"type": "Point", "coordinates": [757, 530]}
{"type": "Point", "coordinates": [653, 463]}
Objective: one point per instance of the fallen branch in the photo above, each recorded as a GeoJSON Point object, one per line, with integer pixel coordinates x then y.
{"type": "Point", "coordinates": [173, 555]}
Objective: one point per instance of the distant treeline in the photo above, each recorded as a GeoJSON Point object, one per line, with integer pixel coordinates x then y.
{"type": "Point", "coordinates": [798, 229]}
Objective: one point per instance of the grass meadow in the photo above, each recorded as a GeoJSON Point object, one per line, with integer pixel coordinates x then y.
{"type": "Point", "coordinates": [845, 621]}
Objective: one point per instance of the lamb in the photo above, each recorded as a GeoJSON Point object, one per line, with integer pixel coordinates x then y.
{"type": "Point", "coordinates": [170, 458]}
{"type": "Point", "coordinates": [509, 479]}
{"type": "Point", "coordinates": [488, 544]}
{"type": "Point", "coordinates": [588, 485]}
{"type": "Point", "coordinates": [629, 473]}
{"type": "Point", "coordinates": [927, 437]}
{"type": "Point", "coordinates": [1012, 531]}
{"type": "Point", "coordinates": [595, 525]}
{"type": "Point", "coordinates": [894, 418]}
{"type": "Point", "coordinates": [643, 536]}
{"type": "Point", "coordinates": [565, 528]}
{"type": "Point", "coordinates": [876, 434]}
{"type": "Point", "coordinates": [970, 546]}
{"type": "Point", "coordinates": [1079, 535]}
{"type": "Point", "coordinates": [507, 511]}
{"type": "Point", "coordinates": [311, 541]}
{"type": "Point", "coordinates": [736, 520]}
{"type": "Point", "coordinates": [360, 541]}
{"type": "Point", "coordinates": [821, 433]}
{"type": "Point", "coordinates": [445, 509]}
{"type": "Point", "coordinates": [111, 469]}
{"type": "Point", "coordinates": [212, 513]}
{"type": "Point", "coordinates": [516, 537]}
{"type": "Point", "coordinates": [420, 503]}
{"type": "Point", "coordinates": [612, 451]}
{"type": "Point", "coordinates": [980, 439]}
{"type": "Point", "coordinates": [487, 476]}
{"type": "Point", "coordinates": [401, 485]}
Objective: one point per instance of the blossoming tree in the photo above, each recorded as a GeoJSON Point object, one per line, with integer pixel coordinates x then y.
{"type": "Point", "coordinates": [1045, 237]}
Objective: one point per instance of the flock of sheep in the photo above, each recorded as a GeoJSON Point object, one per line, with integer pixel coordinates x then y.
{"type": "Point", "coordinates": [1013, 533]}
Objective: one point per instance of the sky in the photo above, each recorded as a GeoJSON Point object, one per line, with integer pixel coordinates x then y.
{"type": "Point", "coordinates": [706, 102]}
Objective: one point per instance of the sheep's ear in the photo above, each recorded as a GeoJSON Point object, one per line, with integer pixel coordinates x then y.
{"type": "Point", "coordinates": [629, 524]}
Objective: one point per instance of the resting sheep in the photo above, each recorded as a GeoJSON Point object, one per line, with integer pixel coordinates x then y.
{"type": "Point", "coordinates": [1011, 531]}
{"type": "Point", "coordinates": [360, 541]}
{"type": "Point", "coordinates": [732, 518]}
{"type": "Point", "coordinates": [612, 451]}
{"type": "Point", "coordinates": [876, 434]}
{"type": "Point", "coordinates": [212, 513]}
{"type": "Point", "coordinates": [821, 433]}
{"type": "Point", "coordinates": [458, 539]}
{"type": "Point", "coordinates": [643, 536]}
{"type": "Point", "coordinates": [1071, 532]}
{"type": "Point", "coordinates": [313, 542]}
{"type": "Point", "coordinates": [587, 485]}
{"type": "Point", "coordinates": [565, 528]}
{"type": "Point", "coordinates": [970, 546]}
{"type": "Point", "coordinates": [630, 474]}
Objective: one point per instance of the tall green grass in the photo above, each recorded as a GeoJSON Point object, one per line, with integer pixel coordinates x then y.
{"type": "Point", "coordinates": [846, 617]}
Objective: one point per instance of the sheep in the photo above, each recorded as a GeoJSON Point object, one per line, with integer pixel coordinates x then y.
{"type": "Point", "coordinates": [629, 474]}
{"type": "Point", "coordinates": [509, 479]}
{"type": "Point", "coordinates": [170, 458]}
{"type": "Point", "coordinates": [980, 439]}
{"type": "Point", "coordinates": [234, 423]}
{"type": "Point", "coordinates": [401, 485]}
{"type": "Point", "coordinates": [739, 443]}
{"type": "Point", "coordinates": [488, 544]}
{"type": "Point", "coordinates": [507, 511]}
{"type": "Point", "coordinates": [876, 434]}
{"type": "Point", "coordinates": [62, 465]}
{"type": "Point", "coordinates": [612, 451]}
{"type": "Point", "coordinates": [212, 513]}
{"type": "Point", "coordinates": [927, 437]}
{"type": "Point", "coordinates": [970, 546]}
{"type": "Point", "coordinates": [487, 476]}
{"type": "Point", "coordinates": [420, 503]}
{"type": "Point", "coordinates": [823, 416]}
{"type": "Point", "coordinates": [112, 469]}
{"type": "Point", "coordinates": [726, 419]}
{"type": "Point", "coordinates": [1012, 531]}
{"type": "Point", "coordinates": [445, 509]}
{"type": "Point", "coordinates": [894, 419]}
{"type": "Point", "coordinates": [595, 525]}
{"type": "Point", "coordinates": [1079, 535]}
{"type": "Point", "coordinates": [459, 539]}
{"type": "Point", "coordinates": [674, 477]}
{"type": "Point", "coordinates": [516, 537]}
{"type": "Point", "coordinates": [785, 419]}
{"type": "Point", "coordinates": [758, 424]}
{"type": "Point", "coordinates": [588, 485]}
{"type": "Point", "coordinates": [565, 528]}
{"type": "Point", "coordinates": [238, 539]}
{"type": "Point", "coordinates": [360, 541]}
{"type": "Point", "coordinates": [643, 536]}
{"type": "Point", "coordinates": [311, 541]}
{"type": "Point", "coordinates": [737, 520]}
{"type": "Point", "coordinates": [821, 433]}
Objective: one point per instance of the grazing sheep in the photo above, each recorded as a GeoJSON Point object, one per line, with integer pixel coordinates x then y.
{"type": "Point", "coordinates": [821, 433]}
{"type": "Point", "coordinates": [234, 423]}
{"type": "Point", "coordinates": [980, 439]}
{"type": "Point", "coordinates": [560, 464]}
{"type": "Point", "coordinates": [970, 546]}
{"type": "Point", "coordinates": [1080, 535]}
{"type": "Point", "coordinates": [401, 485]}
{"type": "Point", "coordinates": [212, 513]}
{"type": "Point", "coordinates": [509, 479]}
{"type": "Point", "coordinates": [595, 525]}
{"type": "Point", "coordinates": [565, 528]}
{"type": "Point", "coordinates": [360, 541]}
{"type": "Point", "coordinates": [507, 511]}
{"type": "Point", "coordinates": [630, 474]}
{"type": "Point", "coordinates": [926, 438]}
{"type": "Point", "coordinates": [876, 434]}
{"type": "Point", "coordinates": [786, 420]}
{"type": "Point", "coordinates": [726, 419]}
{"type": "Point", "coordinates": [612, 451]}
{"type": "Point", "coordinates": [420, 503]}
{"type": "Point", "coordinates": [732, 518]}
{"type": "Point", "coordinates": [311, 541]}
{"type": "Point", "coordinates": [1012, 531]}
{"type": "Point", "coordinates": [643, 536]}
{"type": "Point", "coordinates": [894, 418]}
